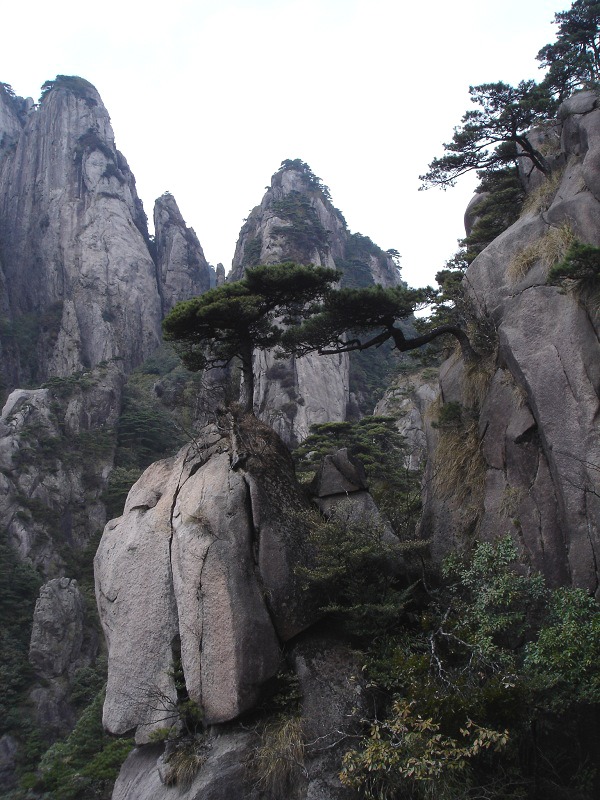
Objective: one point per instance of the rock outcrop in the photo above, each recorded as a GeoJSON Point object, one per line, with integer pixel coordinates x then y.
{"type": "Point", "coordinates": [297, 222]}
{"type": "Point", "coordinates": [56, 451]}
{"type": "Point", "coordinates": [80, 283]}
{"type": "Point", "coordinates": [529, 411]}
{"type": "Point", "coordinates": [183, 270]}
{"type": "Point", "coordinates": [200, 567]}
{"type": "Point", "coordinates": [407, 400]}
{"type": "Point", "coordinates": [61, 643]}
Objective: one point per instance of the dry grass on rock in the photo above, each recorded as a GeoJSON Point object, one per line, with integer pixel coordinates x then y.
{"type": "Point", "coordinates": [549, 249]}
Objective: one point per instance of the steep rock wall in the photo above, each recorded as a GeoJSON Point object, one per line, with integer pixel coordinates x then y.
{"type": "Point", "coordinates": [183, 270]}
{"type": "Point", "coordinates": [536, 447]}
{"type": "Point", "coordinates": [72, 236]}
{"type": "Point", "coordinates": [297, 222]}
{"type": "Point", "coordinates": [56, 451]}
{"type": "Point", "coordinates": [80, 284]}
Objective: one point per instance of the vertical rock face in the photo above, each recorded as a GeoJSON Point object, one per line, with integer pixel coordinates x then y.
{"type": "Point", "coordinates": [78, 275]}
{"type": "Point", "coordinates": [200, 567]}
{"type": "Point", "coordinates": [72, 236]}
{"type": "Point", "coordinates": [534, 432]}
{"type": "Point", "coordinates": [11, 116]}
{"type": "Point", "coordinates": [56, 450]}
{"type": "Point", "coordinates": [61, 643]}
{"type": "Point", "coordinates": [182, 268]}
{"type": "Point", "coordinates": [297, 222]}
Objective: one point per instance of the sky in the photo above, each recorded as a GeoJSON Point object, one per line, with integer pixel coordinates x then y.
{"type": "Point", "coordinates": [207, 97]}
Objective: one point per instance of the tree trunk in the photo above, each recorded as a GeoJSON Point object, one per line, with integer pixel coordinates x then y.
{"type": "Point", "coordinates": [247, 383]}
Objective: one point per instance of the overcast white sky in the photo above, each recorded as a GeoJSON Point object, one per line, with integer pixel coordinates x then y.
{"type": "Point", "coordinates": [207, 97]}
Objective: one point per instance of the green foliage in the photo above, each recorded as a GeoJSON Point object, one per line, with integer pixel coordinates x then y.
{"type": "Point", "coordinates": [252, 251]}
{"type": "Point", "coordinates": [371, 374]}
{"type": "Point", "coordinates": [305, 232]}
{"type": "Point", "coordinates": [310, 179]}
{"type": "Point", "coordinates": [6, 89]}
{"type": "Point", "coordinates": [84, 765]}
{"type": "Point", "coordinates": [229, 321]}
{"type": "Point", "coordinates": [362, 311]}
{"type": "Point", "coordinates": [499, 210]}
{"type": "Point", "coordinates": [89, 142]}
{"type": "Point", "coordinates": [120, 481]}
{"type": "Point", "coordinates": [489, 680]}
{"type": "Point", "coordinates": [408, 756]}
{"type": "Point", "coordinates": [19, 586]}
{"type": "Point", "coordinates": [352, 571]}
{"type": "Point", "coordinates": [78, 86]}
{"type": "Point", "coordinates": [573, 60]}
{"type": "Point", "coordinates": [356, 263]}
{"type": "Point", "coordinates": [376, 442]}
{"type": "Point", "coordinates": [145, 432]}
{"type": "Point", "coordinates": [580, 268]}
{"type": "Point", "coordinates": [563, 662]}
{"type": "Point", "coordinates": [493, 135]}
{"type": "Point", "coordinates": [23, 337]}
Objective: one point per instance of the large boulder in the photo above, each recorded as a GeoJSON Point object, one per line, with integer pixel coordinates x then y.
{"type": "Point", "coordinates": [201, 567]}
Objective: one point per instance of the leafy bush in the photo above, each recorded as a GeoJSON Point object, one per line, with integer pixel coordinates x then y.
{"type": "Point", "coordinates": [84, 765]}
{"type": "Point", "coordinates": [19, 586]}
{"type": "Point", "coordinates": [493, 677]}
{"type": "Point", "coordinates": [580, 269]}
{"type": "Point", "coordinates": [353, 570]}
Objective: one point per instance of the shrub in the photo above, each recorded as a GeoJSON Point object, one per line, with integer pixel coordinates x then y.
{"type": "Point", "coordinates": [279, 758]}
{"type": "Point", "coordinates": [490, 690]}
{"type": "Point", "coordinates": [549, 249]}
{"type": "Point", "coordinates": [579, 270]}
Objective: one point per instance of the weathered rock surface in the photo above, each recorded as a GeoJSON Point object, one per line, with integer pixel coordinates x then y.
{"type": "Point", "coordinates": [538, 422]}
{"type": "Point", "coordinates": [62, 642]}
{"type": "Point", "coordinates": [8, 761]}
{"type": "Point", "coordinates": [296, 222]}
{"type": "Point", "coordinates": [223, 776]}
{"type": "Point", "coordinates": [56, 451]}
{"type": "Point", "coordinates": [183, 270]}
{"type": "Point", "coordinates": [58, 625]}
{"type": "Point", "coordinates": [407, 400]}
{"type": "Point", "coordinates": [340, 488]}
{"type": "Point", "coordinates": [74, 244]}
{"type": "Point", "coordinates": [334, 701]}
{"type": "Point", "coordinates": [201, 564]}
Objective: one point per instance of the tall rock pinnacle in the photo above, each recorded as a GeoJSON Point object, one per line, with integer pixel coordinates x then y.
{"type": "Point", "coordinates": [296, 221]}
{"type": "Point", "coordinates": [78, 273]}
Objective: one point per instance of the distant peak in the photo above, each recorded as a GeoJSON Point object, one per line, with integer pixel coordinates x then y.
{"type": "Point", "coordinates": [311, 181]}
{"type": "Point", "coordinates": [79, 87]}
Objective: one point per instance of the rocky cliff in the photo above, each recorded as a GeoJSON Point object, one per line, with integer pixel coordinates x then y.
{"type": "Point", "coordinates": [80, 283]}
{"type": "Point", "coordinates": [517, 450]}
{"type": "Point", "coordinates": [182, 269]}
{"type": "Point", "coordinates": [296, 221]}
{"type": "Point", "coordinates": [201, 574]}
{"type": "Point", "coordinates": [83, 289]}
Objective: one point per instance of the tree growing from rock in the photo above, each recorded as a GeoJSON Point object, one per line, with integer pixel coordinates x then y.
{"type": "Point", "coordinates": [494, 134]}
{"type": "Point", "coordinates": [573, 60]}
{"type": "Point", "coordinates": [358, 319]}
{"type": "Point", "coordinates": [231, 321]}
